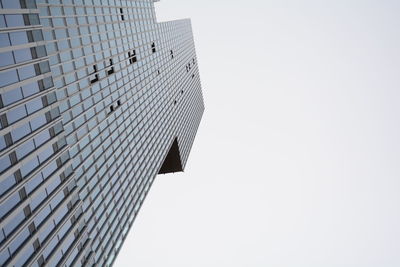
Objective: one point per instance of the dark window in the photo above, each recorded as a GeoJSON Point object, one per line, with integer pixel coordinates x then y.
{"type": "Point", "coordinates": [132, 57]}
{"type": "Point", "coordinates": [122, 14]}
{"type": "Point", "coordinates": [153, 47]}
{"type": "Point", "coordinates": [111, 108]}
{"type": "Point", "coordinates": [95, 76]}
{"type": "Point", "coordinates": [119, 102]}
{"type": "Point", "coordinates": [111, 69]}
{"type": "Point", "coordinates": [172, 54]}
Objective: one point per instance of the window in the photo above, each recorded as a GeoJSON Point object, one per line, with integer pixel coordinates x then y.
{"type": "Point", "coordinates": [172, 54]}
{"type": "Point", "coordinates": [6, 59]}
{"type": "Point", "coordinates": [122, 14]}
{"type": "Point", "coordinates": [95, 76]}
{"type": "Point", "coordinates": [132, 56]}
{"type": "Point", "coordinates": [111, 69]}
{"type": "Point", "coordinates": [4, 40]}
{"type": "Point", "coordinates": [153, 47]}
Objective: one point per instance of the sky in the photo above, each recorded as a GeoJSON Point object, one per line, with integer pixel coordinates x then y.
{"type": "Point", "coordinates": [296, 161]}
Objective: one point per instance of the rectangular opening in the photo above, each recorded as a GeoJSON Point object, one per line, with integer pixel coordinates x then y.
{"type": "Point", "coordinates": [95, 76]}
{"type": "Point", "coordinates": [153, 47]}
{"type": "Point", "coordinates": [111, 69]}
{"type": "Point", "coordinates": [122, 12]}
{"type": "Point", "coordinates": [172, 54]}
{"type": "Point", "coordinates": [132, 57]}
{"type": "Point", "coordinates": [119, 102]}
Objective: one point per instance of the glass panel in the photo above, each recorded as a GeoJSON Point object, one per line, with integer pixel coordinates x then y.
{"type": "Point", "coordinates": [29, 166]}
{"type": "Point", "coordinates": [52, 167]}
{"type": "Point", "coordinates": [20, 132]}
{"type": "Point", "coordinates": [2, 21]}
{"type": "Point", "coordinates": [37, 35]}
{"type": "Point", "coordinates": [11, 4]}
{"type": "Point", "coordinates": [38, 199]}
{"type": "Point", "coordinates": [7, 184]}
{"type": "Point", "coordinates": [24, 149]}
{"type": "Point", "coordinates": [26, 72]}
{"type": "Point", "coordinates": [41, 51]}
{"type": "Point", "coordinates": [9, 77]}
{"type": "Point", "coordinates": [33, 19]}
{"type": "Point", "coordinates": [10, 203]}
{"type": "Point", "coordinates": [14, 20]}
{"type": "Point", "coordinates": [34, 105]}
{"type": "Point", "coordinates": [24, 256]}
{"type": "Point", "coordinates": [33, 183]}
{"type": "Point", "coordinates": [22, 55]}
{"type": "Point", "coordinates": [44, 155]}
{"type": "Point", "coordinates": [4, 255]}
{"type": "Point", "coordinates": [42, 138]}
{"type": "Point", "coordinates": [16, 114]}
{"type": "Point", "coordinates": [11, 96]}
{"type": "Point", "coordinates": [6, 59]}
{"type": "Point", "coordinates": [2, 143]}
{"type": "Point", "coordinates": [30, 89]}
{"type": "Point", "coordinates": [4, 40]}
{"type": "Point", "coordinates": [18, 38]}
{"type": "Point", "coordinates": [19, 240]}
{"type": "Point", "coordinates": [38, 122]}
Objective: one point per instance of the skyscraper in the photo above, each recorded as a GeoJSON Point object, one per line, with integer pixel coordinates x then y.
{"type": "Point", "coordinates": [97, 98]}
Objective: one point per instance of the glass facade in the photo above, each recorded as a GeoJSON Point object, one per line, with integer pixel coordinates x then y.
{"type": "Point", "coordinates": [96, 98]}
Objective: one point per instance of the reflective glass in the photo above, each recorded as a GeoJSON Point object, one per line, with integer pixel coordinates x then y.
{"type": "Point", "coordinates": [29, 166]}
{"type": "Point", "coordinates": [4, 40]}
{"type": "Point", "coordinates": [11, 96]}
{"type": "Point", "coordinates": [30, 89]}
{"type": "Point", "coordinates": [26, 72]}
{"type": "Point", "coordinates": [2, 143]}
{"type": "Point", "coordinates": [6, 184]}
{"type": "Point", "coordinates": [22, 55]}
{"type": "Point", "coordinates": [38, 122]}
{"type": "Point", "coordinates": [19, 240]}
{"type": "Point", "coordinates": [18, 38]}
{"type": "Point", "coordinates": [34, 105]}
{"type": "Point", "coordinates": [20, 132]}
{"type": "Point", "coordinates": [11, 4]}
{"type": "Point", "coordinates": [45, 154]}
{"type": "Point", "coordinates": [42, 215]}
{"type": "Point", "coordinates": [14, 20]}
{"type": "Point", "coordinates": [24, 149]}
{"type": "Point", "coordinates": [17, 219]}
{"type": "Point", "coordinates": [33, 183]}
{"type": "Point", "coordinates": [25, 254]}
{"type": "Point", "coordinates": [4, 256]}
{"type": "Point", "coordinates": [16, 114]}
{"type": "Point", "coordinates": [38, 199]}
{"type": "Point", "coordinates": [52, 167]}
{"type": "Point", "coordinates": [33, 19]}
{"type": "Point", "coordinates": [2, 21]}
{"type": "Point", "coordinates": [10, 203]}
{"type": "Point", "coordinates": [9, 77]}
{"type": "Point", "coordinates": [6, 59]}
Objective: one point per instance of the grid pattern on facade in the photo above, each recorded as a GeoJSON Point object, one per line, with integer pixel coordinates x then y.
{"type": "Point", "coordinates": [93, 93]}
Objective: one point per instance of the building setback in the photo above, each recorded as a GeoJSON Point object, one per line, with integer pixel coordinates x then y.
{"type": "Point", "coordinates": [97, 98]}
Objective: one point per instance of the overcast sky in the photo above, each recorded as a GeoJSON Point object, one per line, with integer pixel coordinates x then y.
{"type": "Point", "coordinates": [296, 161]}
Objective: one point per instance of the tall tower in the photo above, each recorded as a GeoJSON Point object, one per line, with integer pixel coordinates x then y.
{"type": "Point", "coordinates": [96, 99]}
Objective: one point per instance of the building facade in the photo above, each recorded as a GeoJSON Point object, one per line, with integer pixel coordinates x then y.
{"type": "Point", "coordinates": [96, 99]}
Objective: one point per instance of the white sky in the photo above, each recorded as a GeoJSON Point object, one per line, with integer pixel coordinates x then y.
{"type": "Point", "coordinates": [296, 161]}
